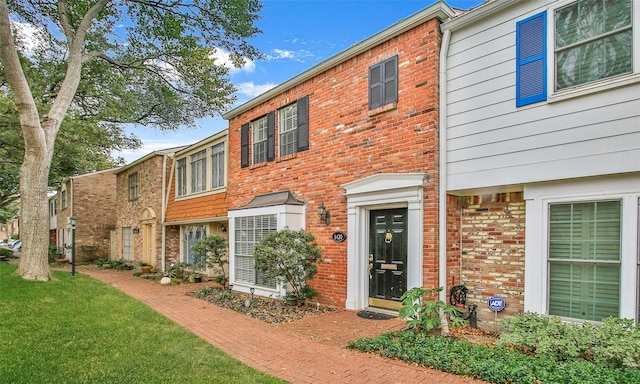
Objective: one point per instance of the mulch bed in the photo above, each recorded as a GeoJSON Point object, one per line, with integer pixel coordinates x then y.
{"type": "Point", "coordinates": [266, 309]}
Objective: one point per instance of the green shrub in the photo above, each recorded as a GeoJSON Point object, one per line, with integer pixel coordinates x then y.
{"type": "Point", "coordinates": [203, 292]}
{"type": "Point", "coordinates": [119, 264]}
{"type": "Point", "coordinates": [425, 313]}
{"type": "Point", "coordinates": [211, 252]}
{"type": "Point", "coordinates": [6, 253]}
{"type": "Point", "coordinates": [290, 257]}
{"type": "Point", "coordinates": [55, 253]}
{"type": "Point", "coordinates": [490, 363]}
{"type": "Point", "coordinates": [613, 344]}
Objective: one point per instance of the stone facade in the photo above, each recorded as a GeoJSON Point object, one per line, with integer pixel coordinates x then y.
{"type": "Point", "coordinates": [143, 213]}
{"type": "Point", "coordinates": [348, 142]}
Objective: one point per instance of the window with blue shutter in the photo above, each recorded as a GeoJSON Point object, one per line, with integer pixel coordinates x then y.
{"type": "Point", "coordinates": [383, 83]}
{"type": "Point", "coordinates": [531, 60]}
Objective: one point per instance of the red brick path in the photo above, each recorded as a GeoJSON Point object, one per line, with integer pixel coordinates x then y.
{"type": "Point", "coordinates": [306, 351]}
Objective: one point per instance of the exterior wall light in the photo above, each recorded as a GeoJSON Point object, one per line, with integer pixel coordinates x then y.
{"type": "Point", "coordinates": [323, 214]}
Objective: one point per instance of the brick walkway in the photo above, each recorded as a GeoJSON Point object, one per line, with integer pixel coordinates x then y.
{"type": "Point", "coordinates": [312, 350]}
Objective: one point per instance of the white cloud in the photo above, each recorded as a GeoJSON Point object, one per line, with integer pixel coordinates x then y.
{"type": "Point", "coordinates": [28, 37]}
{"type": "Point", "coordinates": [285, 54]}
{"type": "Point", "coordinates": [223, 58]}
{"type": "Point", "coordinates": [252, 90]}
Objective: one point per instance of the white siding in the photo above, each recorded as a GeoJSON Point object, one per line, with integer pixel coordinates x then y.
{"type": "Point", "coordinates": [492, 143]}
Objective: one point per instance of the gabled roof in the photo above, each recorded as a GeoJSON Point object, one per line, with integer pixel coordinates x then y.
{"type": "Point", "coordinates": [439, 10]}
{"type": "Point", "coordinates": [271, 199]}
{"type": "Point", "coordinates": [161, 152]}
{"type": "Point", "coordinates": [215, 136]}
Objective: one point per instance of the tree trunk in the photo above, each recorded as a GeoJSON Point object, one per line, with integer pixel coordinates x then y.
{"type": "Point", "coordinates": [34, 225]}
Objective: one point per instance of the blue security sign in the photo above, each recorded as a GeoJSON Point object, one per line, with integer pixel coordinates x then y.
{"type": "Point", "coordinates": [496, 303]}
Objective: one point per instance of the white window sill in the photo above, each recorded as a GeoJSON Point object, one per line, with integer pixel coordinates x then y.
{"type": "Point", "coordinates": [596, 87]}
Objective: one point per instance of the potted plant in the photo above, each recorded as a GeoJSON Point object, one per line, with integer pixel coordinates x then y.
{"type": "Point", "coordinates": [146, 268]}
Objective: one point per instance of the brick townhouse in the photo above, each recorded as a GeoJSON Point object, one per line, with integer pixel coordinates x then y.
{"type": "Point", "coordinates": [355, 136]}
{"type": "Point", "coordinates": [91, 198]}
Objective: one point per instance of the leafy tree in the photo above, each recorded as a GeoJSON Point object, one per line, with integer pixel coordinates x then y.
{"type": "Point", "coordinates": [82, 146]}
{"type": "Point", "coordinates": [112, 62]}
{"type": "Point", "coordinates": [290, 257]}
{"type": "Point", "coordinates": [211, 252]}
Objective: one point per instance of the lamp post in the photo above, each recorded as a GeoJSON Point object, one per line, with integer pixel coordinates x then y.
{"type": "Point", "coordinates": [73, 221]}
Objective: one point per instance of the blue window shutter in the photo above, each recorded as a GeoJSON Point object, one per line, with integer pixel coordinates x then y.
{"type": "Point", "coordinates": [244, 145]}
{"type": "Point", "coordinates": [531, 60]}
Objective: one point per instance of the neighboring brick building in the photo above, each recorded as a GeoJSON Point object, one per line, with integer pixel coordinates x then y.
{"type": "Point", "coordinates": [357, 134]}
{"type": "Point", "coordinates": [141, 205]}
{"type": "Point", "coordinates": [91, 198]}
{"type": "Point", "coordinates": [197, 196]}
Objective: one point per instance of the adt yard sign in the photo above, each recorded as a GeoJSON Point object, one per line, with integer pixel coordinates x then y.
{"type": "Point", "coordinates": [496, 303]}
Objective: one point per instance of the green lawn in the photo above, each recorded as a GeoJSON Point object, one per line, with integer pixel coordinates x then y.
{"type": "Point", "coordinates": [82, 331]}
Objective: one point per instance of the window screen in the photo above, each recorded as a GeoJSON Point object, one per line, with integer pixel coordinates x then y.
{"type": "Point", "coordinates": [584, 259]}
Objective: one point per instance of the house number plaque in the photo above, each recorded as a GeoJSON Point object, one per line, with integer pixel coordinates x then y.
{"type": "Point", "coordinates": [339, 237]}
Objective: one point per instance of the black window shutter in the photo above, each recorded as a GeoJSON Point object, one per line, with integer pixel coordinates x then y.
{"type": "Point", "coordinates": [375, 86]}
{"type": "Point", "coordinates": [271, 131]}
{"type": "Point", "coordinates": [303, 123]}
{"type": "Point", "coordinates": [390, 90]}
{"type": "Point", "coordinates": [244, 145]}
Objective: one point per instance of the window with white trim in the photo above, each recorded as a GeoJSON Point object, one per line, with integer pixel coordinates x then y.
{"type": "Point", "coordinates": [199, 171]}
{"type": "Point", "coordinates": [584, 259]}
{"type": "Point", "coordinates": [260, 131]}
{"type": "Point", "coordinates": [127, 250]}
{"type": "Point", "coordinates": [592, 41]}
{"type": "Point", "coordinates": [133, 186]}
{"type": "Point", "coordinates": [288, 129]}
{"type": "Point", "coordinates": [292, 137]}
{"type": "Point", "coordinates": [217, 165]}
{"type": "Point", "coordinates": [53, 208]}
{"type": "Point", "coordinates": [63, 199]}
{"type": "Point", "coordinates": [181, 177]}
{"type": "Point", "coordinates": [249, 230]}
{"type": "Point", "coordinates": [191, 234]}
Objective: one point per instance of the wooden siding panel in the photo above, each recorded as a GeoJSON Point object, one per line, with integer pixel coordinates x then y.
{"type": "Point", "coordinates": [602, 164]}
{"type": "Point", "coordinates": [520, 152]}
{"type": "Point", "coordinates": [490, 142]}
{"type": "Point", "coordinates": [543, 128]}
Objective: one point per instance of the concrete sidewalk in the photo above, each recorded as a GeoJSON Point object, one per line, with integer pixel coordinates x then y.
{"type": "Point", "coordinates": [283, 351]}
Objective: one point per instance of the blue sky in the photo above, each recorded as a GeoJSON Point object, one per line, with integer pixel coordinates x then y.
{"type": "Point", "coordinates": [296, 35]}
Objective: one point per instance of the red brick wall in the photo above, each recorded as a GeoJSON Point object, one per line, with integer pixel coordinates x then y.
{"type": "Point", "coordinates": [493, 229]}
{"type": "Point", "coordinates": [348, 142]}
{"type": "Point", "coordinates": [92, 199]}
